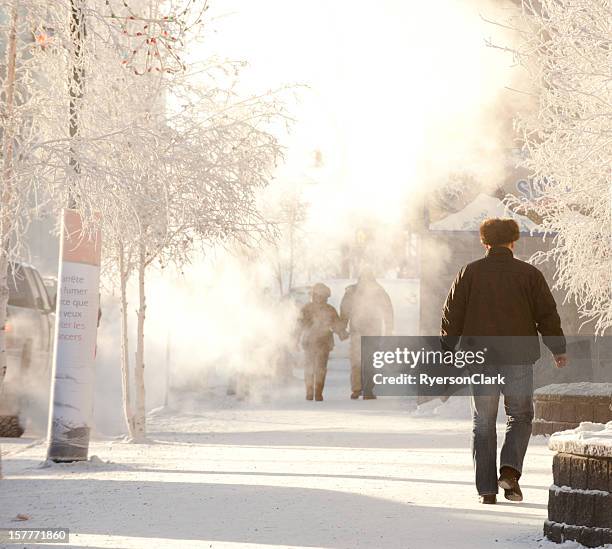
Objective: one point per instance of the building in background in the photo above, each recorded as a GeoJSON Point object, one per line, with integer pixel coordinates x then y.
{"type": "Point", "coordinates": [450, 238]}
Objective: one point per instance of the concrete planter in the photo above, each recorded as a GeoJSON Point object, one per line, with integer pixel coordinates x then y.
{"type": "Point", "coordinates": [580, 500]}
{"type": "Point", "coordinates": [561, 407]}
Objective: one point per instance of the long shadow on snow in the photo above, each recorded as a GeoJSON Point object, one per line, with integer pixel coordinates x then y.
{"type": "Point", "coordinates": [110, 466]}
{"type": "Point", "coordinates": [250, 514]}
{"type": "Point", "coordinates": [321, 438]}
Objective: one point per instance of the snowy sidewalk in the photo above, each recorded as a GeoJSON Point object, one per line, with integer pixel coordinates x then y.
{"type": "Point", "coordinates": [337, 474]}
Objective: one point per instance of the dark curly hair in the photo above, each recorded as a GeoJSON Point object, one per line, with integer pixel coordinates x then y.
{"type": "Point", "coordinates": [496, 231]}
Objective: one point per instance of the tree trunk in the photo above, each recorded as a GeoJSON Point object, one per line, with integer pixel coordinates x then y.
{"type": "Point", "coordinates": [7, 219]}
{"type": "Point", "coordinates": [279, 275]}
{"type": "Point", "coordinates": [140, 412]}
{"type": "Point", "coordinates": [125, 357]}
{"type": "Point", "coordinates": [75, 87]}
{"type": "Point", "coordinates": [291, 256]}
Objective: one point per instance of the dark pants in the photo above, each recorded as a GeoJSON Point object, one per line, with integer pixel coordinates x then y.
{"type": "Point", "coordinates": [361, 381]}
{"type": "Point", "coordinates": [518, 404]}
{"type": "Point", "coordinates": [315, 368]}
{"type": "Point", "coordinates": [355, 356]}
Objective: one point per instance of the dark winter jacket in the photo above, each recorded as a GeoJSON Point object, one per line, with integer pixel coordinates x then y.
{"type": "Point", "coordinates": [500, 295]}
{"type": "Point", "coordinates": [366, 307]}
{"type": "Point", "coordinates": [317, 322]}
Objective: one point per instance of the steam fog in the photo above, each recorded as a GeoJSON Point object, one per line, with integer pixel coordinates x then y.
{"type": "Point", "coordinates": [392, 102]}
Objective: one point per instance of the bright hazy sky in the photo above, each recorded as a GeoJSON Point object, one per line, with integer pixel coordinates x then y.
{"type": "Point", "coordinates": [386, 77]}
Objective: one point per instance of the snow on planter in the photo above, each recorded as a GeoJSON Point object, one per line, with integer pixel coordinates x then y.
{"type": "Point", "coordinates": [564, 406]}
{"type": "Point", "coordinates": [580, 500]}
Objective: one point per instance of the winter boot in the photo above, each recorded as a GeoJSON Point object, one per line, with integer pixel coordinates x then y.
{"type": "Point", "coordinates": [370, 396]}
{"type": "Point", "coordinates": [508, 480]}
{"type": "Point", "coordinates": [355, 395]}
{"type": "Point", "coordinates": [488, 499]}
{"type": "Point", "coordinates": [309, 393]}
{"type": "Point", "coordinates": [319, 393]}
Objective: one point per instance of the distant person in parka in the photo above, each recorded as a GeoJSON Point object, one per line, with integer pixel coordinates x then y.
{"type": "Point", "coordinates": [500, 295]}
{"type": "Point", "coordinates": [317, 323]}
{"type": "Point", "coordinates": [367, 311]}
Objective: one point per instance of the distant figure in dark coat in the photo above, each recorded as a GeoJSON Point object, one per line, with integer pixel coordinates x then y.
{"type": "Point", "coordinates": [497, 296]}
{"type": "Point", "coordinates": [318, 321]}
{"type": "Point", "coordinates": [367, 310]}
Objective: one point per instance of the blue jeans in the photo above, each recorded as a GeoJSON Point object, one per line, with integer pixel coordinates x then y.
{"type": "Point", "coordinates": [518, 404]}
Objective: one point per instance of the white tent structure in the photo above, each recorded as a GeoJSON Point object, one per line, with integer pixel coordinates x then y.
{"type": "Point", "coordinates": [482, 207]}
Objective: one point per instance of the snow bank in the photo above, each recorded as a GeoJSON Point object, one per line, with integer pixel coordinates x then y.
{"type": "Point", "coordinates": [577, 389]}
{"type": "Point", "coordinates": [588, 439]}
{"type": "Point", "coordinates": [482, 207]}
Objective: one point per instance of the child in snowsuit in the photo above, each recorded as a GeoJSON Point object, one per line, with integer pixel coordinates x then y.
{"type": "Point", "coordinates": [317, 323]}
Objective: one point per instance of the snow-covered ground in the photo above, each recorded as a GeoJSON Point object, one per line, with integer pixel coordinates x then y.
{"type": "Point", "coordinates": [282, 473]}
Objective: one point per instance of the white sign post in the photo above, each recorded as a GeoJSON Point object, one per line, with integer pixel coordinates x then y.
{"type": "Point", "coordinates": [78, 301]}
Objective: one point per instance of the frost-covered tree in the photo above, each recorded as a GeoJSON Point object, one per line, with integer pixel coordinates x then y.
{"type": "Point", "coordinates": [288, 212]}
{"type": "Point", "coordinates": [566, 49]}
{"type": "Point", "coordinates": [191, 178]}
{"type": "Point", "coordinates": [30, 115]}
{"type": "Point", "coordinates": [32, 101]}
{"type": "Point", "coordinates": [103, 109]}
{"type": "Point", "coordinates": [129, 49]}
{"type": "Point", "coordinates": [55, 143]}
{"type": "Point", "coordinates": [192, 155]}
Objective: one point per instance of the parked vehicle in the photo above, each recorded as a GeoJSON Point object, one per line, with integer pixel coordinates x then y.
{"type": "Point", "coordinates": [50, 283]}
{"type": "Point", "coordinates": [29, 342]}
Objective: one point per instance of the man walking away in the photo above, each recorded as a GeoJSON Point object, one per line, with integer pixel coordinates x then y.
{"type": "Point", "coordinates": [500, 295]}
{"type": "Point", "coordinates": [367, 310]}
{"type": "Point", "coordinates": [317, 322]}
